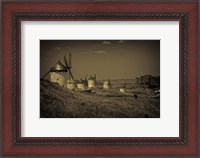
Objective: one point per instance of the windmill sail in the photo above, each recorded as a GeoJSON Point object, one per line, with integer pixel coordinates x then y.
{"type": "Point", "coordinates": [45, 74]}
{"type": "Point", "coordinates": [70, 73]}
{"type": "Point", "coordinates": [70, 58]}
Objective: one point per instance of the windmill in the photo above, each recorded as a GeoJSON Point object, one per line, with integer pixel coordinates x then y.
{"type": "Point", "coordinates": [57, 72]}
{"type": "Point", "coordinates": [107, 84]}
{"type": "Point", "coordinates": [91, 81]}
{"type": "Point", "coordinates": [123, 89]}
{"type": "Point", "coordinates": [56, 68]}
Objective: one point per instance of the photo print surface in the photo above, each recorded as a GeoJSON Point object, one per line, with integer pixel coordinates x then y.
{"type": "Point", "coordinates": [99, 78]}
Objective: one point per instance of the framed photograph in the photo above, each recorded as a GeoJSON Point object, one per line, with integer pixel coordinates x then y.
{"type": "Point", "coordinates": [100, 79]}
{"type": "Point", "coordinates": [112, 91]}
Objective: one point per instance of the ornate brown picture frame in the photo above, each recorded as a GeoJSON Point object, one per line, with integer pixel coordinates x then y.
{"type": "Point", "coordinates": [186, 144]}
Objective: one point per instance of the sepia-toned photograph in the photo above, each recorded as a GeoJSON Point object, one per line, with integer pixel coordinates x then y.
{"type": "Point", "coordinates": [100, 78]}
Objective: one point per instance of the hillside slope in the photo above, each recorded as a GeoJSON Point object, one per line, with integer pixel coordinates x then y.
{"type": "Point", "coordinates": [59, 102]}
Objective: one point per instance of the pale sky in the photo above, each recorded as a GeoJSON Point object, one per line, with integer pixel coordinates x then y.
{"type": "Point", "coordinates": [113, 59]}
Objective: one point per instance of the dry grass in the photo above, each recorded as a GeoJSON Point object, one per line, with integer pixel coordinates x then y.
{"type": "Point", "coordinates": [59, 102]}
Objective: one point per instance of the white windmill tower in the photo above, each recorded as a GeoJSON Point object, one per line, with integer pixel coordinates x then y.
{"type": "Point", "coordinates": [59, 72]}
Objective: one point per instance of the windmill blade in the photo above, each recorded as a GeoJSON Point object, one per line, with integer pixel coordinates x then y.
{"type": "Point", "coordinates": [95, 79]}
{"type": "Point", "coordinates": [70, 62]}
{"type": "Point", "coordinates": [45, 74]}
{"type": "Point", "coordinates": [71, 74]}
{"type": "Point", "coordinates": [65, 60]}
{"type": "Point", "coordinates": [68, 68]}
{"type": "Point", "coordinates": [86, 80]}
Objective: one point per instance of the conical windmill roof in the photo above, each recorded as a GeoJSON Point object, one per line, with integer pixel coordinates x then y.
{"type": "Point", "coordinates": [81, 81]}
{"type": "Point", "coordinates": [91, 78]}
{"type": "Point", "coordinates": [59, 67]}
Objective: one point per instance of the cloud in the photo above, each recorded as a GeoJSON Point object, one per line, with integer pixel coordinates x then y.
{"type": "Point", "coordinates": [58, 48]}
{"type": "Point", "coordinates": [87, 52]}
{"type": "Point", "coordinates": [50, 52]}
{"type": "Point", "coordinates": [84, 52]}
{"type": "Point", "coordinates": [94, 52]}
{"type": "Point", "coordinates": [106, 42]}
{"type": "Point", "coordinates": [121, 41]}
{"type": "Point", "coordinates": [100, 52]}
{"type": "Point", "coordinates": [67, 47]}
{"type": "Point", "coordinates": [96, 45]}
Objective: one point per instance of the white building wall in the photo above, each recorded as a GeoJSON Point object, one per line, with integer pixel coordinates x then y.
{"type": "Point", "coordinates": [57, 77]}
{"type": "Point", "coordinates": [91, 83]}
